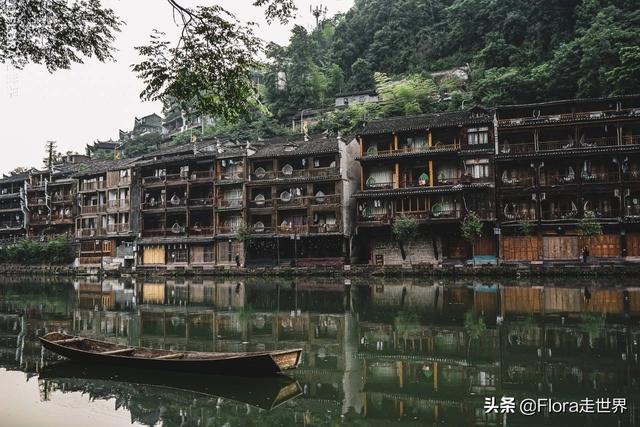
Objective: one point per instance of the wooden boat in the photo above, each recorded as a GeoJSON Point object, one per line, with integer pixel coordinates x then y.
{"type": "Point", "coordinates": [240, 364]}
{"type": "Point", "coordinates": [168, 386]}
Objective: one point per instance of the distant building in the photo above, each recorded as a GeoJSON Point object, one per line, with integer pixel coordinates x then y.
{"type": "Point", "coordinates": [360, 97]}
{"type": "Point", "coordinates": [103, 149]}
{"type": "Point", "coordinates": [142, 126]}
{"type": "Point", "coordinates": [176, 120]}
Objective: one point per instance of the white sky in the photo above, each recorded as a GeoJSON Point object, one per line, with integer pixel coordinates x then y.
{"type": "Point", "coordinates": [93, 100]}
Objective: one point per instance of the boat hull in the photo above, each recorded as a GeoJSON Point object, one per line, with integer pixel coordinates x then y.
{"type": "Point", "coordinates": [244, 364]}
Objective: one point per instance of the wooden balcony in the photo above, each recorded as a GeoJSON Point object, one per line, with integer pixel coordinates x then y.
{"type": "Point", "coordinates": [267, 203]}
{"type": "Point", "coordinates": [600, 177]}
{"type": "Point", "coordinates": [518, 181]}
{"type": "Point", "coordinates": [202, 176]}
{"type": "Point", "coordinates": [92, 186]}
{"type": "Point", "coordinates": [231, 176]}
{"type": "Point", "coordinates": [176, 179]}
{"type": "Point", "coordinates": [566, 144]}
{"type": "Point", "coordinates": [569, 117]}
{"type": "Point", "coordinates": [324, 228]}
{"type": "Point", "coordinates": [61, 200]}
{"type": "Point", "coordinates": [203, 202]}
{"type": "Point", "coordinates": [375, 219]}
{"type": "Point", "coordinates": [10, 225]}
{"type": "Point", "coordinates": [92, 209]}
{"type": "Point", "coordinates": [297, 173]}
{"type": "Point", "coordinates": [262, 230]}
{"type": "Point", "coordinates": [62, 219]}
{"type": "Point", "coordinates": [417, 150]}
{"type": "Point", "coordinates": [165, 232]}
{"type": "Point", "coordinates": [227, 229]}
{"type": "Point", "coordinates": [118, 205]}
{"type": "Point", "coordinates": [87, 232]}
{"type": "Point", "coordinates": [293, 229]}
{"type": "Point", "coordinates": [118, 228]}
{"type": "Point", "coordinates": [37, 201]}
{"type": "Point", "coordinates": [229, 203]}
{"type": "Point", "coordinates": [201, 230]}
{"type": "Point", "coordinates": [327, 199]}
{"type": "Point", "coordinates": [294, 202]}
{"type": "Point", "coordinates": [10, 207]}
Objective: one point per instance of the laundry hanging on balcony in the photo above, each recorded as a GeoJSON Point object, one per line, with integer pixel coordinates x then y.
{"type": "Point", "coordinates": [258, 227]}
{"type": "Point", "coordinates": [259, 200]}
{"type": "Point", "coordinates": [423, 179]}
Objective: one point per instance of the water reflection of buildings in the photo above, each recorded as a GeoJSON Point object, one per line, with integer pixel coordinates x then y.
{"type": "Point", "coordinates": [387, 351]}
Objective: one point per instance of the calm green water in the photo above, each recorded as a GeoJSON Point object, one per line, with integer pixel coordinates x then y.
{"type": "Point", "coordinates": [413, 352]}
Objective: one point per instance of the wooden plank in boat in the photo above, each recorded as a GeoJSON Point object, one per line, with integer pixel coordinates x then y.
{"type": "Point", "coordinates": [118, 351]}
{"type": "Point", "coordinates": [68, 341]}
{"type": "Point", "coordinates": [170, 356]}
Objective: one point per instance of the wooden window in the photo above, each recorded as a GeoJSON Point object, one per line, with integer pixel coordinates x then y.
{"type": "Point", "coordinates": [478, 136]}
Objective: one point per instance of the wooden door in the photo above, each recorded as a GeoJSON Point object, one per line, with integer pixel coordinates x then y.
{"type": "Point", "coordinates": [603, 246]}
{"type": "Point", "coordinates": [633, 244]}
{"type": "Point", "coordinates": [560, 247]}
{"type": "Point", "coordinates": [485, 245]}
{"type": "Point", "coordinates": [520, 248]}
{"type": "Point", "coordinates": [153, 255]}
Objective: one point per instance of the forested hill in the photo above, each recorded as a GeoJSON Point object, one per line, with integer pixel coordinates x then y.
{"type": "Point", "coordinates": [517, 50]}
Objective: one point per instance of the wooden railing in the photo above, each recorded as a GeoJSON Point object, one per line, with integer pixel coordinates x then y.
{"type": "Point", "coordinates": [201, 230]}
{"type": "Point", "coordinates": [92, 209]}
{"type": "Point", "coordinates": [118, 228]}
{"type": "Point", "coordinates": [579, 116]}
{"type": "Point", "coordinates": [293, 229]}
{"type": "Point", "coordinates": [297, 173]}
{"type": "Point", "coordinates": [324, 228]}
{"type": "Point", "coordinates": [202, 175]}
{"type": "Point", "coordinates": [10, 207]}
{"type": "Point", "coordinates": [118, 204]}
{"type": "Point", "coordinates": [206, 201]}
{"type": "Point", "coordinates": [518, 181]}
{"type": "Point", "coordinates": [227, 229]}
{"type": "Point", "coordinates": [91, 186]}
{"type": "Point", "coordinates": [10, 224]}
{"type": "Point", "coordinates": [87, 232]}
{"type": "Point", "coordinates": [566, 144]}
{"type": "Point", "coordinates": [230, 203]}
{"type": "Point", "coordinates": [452, 146]}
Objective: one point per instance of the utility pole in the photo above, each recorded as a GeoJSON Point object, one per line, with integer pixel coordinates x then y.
{"type": "Point", "coordinates": [319, 11]}
{"type": "Point", "coordinates": [51, 150]}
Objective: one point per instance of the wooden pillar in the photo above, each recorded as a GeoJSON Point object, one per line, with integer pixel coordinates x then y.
{"type": "Point", "coordinates": [395, 141]}
{"type": "Point", "coordinates": [396, 183]}
{"type": "Point", "coordinates": [435, 376]}
{"type": "Point", "coordinates": [431, 180]}
{"type": "Point", "coordinates": [430, 139]}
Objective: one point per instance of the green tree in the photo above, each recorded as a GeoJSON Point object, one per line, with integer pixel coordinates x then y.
{"type": "Point", "coordinates": [589, 225]}
{"type": "Point", "coordinates": [244, 235]}
{"type": "Point", "coordinates": [406, 230]}
{"type": "Point", "coordinates": [474, 327]}
{"type": "Point", "coordinates": [527, 227]}
{"type": "Point", "coordinates": [361, 75]}
{"type": "Point", "coordinates": [471, 229]}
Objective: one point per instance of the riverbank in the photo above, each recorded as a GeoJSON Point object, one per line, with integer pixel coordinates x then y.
{"type": "Point", "coordinates": [505, 270]}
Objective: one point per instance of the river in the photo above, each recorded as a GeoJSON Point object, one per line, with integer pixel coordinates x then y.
{"type": "Point", "coordinates": [376, 352]}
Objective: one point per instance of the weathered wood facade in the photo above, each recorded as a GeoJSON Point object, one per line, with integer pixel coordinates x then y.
{"type": "Point", "coordinates": [435, 168]}
{"type": "Point", "coordinates": [559, 162]}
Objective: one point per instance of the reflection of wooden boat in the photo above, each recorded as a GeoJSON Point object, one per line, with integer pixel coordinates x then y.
{"type": "Point", "coordinates": [242, 364]}
{"type": "Point", "coordinates": [264, 393]}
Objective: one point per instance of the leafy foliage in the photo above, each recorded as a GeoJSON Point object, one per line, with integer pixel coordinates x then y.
{"type": "Point", "coordinates": [474, 327]}
{"type": "Point", "coordinates": [589, 225]}
{"type": "Point", "coordinates": [28, 252]}
{"type": "Point", "coordinates": [405, 228]}
{"type": "Point", "coordinates": [244, 234]}
{"type": "Point", "coordinates": [527, 226]}
{"type": "Point", "coordinates": [471, 227]}
{"type": "Point", "coordinates": [56, 33]}
{"type": "Point", "coordinates": [142, 145]}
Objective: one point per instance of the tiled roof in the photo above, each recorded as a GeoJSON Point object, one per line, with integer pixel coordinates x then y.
{"type": "Point", "coordinates": [420, 190]}
{"type": "Point", "coordinates": [97, 166]}
{"type": "Point", "coordinates": [15, 178]}
{"type": "Point", "coordinates": [281, 147]}
{"type": "Point", "coordinates": [476, 115]}
{"type": "Point", "coordinates": [570, 101]}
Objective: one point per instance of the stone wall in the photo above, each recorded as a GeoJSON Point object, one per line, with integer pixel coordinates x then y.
{"type": "Point", "coordinates": [420, 251]}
